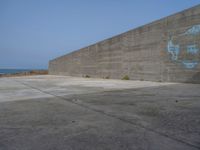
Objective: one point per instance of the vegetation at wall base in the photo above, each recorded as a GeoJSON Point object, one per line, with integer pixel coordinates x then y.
{"type": "Point", "coordinates": [126, 77]}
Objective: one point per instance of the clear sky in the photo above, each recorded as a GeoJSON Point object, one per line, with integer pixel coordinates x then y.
{"type": "Point", "coordinates": [34, 31]}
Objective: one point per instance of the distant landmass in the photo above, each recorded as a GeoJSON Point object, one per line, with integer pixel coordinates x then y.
{"type": "Point", "coordinates": [21, 72]}
{"type": "Point", "coordinates": [13, 71]}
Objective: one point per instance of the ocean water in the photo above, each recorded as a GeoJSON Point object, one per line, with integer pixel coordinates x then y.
{"type": "Point", "coordinates": [13, 71]}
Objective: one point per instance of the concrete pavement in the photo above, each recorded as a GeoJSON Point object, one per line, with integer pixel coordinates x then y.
{"type": "Point", "coordinates": [58, 113]}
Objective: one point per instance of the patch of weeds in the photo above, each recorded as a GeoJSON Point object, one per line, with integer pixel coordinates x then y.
{"type": "Point", "coordinates": [107, 77]}
{"type": "Point", "coordinates": [87, 76]}
{"type": "Point", "coordinates": [126, 77]}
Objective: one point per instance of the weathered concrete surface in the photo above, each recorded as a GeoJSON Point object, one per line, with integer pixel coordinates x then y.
{"type": "Point", "coordinates": [59, 113]}
{"type": "Point", "coordinates": [13, 89]}
{"type": "Point", "coordinates": [165, 50]}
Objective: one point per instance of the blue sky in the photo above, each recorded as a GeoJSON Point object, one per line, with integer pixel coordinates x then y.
{"type": "Point", "coordinates": [34, 31]}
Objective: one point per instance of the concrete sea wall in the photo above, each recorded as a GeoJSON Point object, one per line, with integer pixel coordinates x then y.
{"type": "Point", "coordinates": [164, 50]}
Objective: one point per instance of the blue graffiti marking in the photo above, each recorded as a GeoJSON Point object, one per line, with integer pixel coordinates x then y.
{"type": "Point", "coordinates": [190, 64]}
{"type": "Point", "coordinates": [192, 49]}
{"type": "Point", "coordinates": [176, 44]}
{"type": "Point", "coordinates": [173, 50]}
{"type": "Point", "coordinates": [193, 31]}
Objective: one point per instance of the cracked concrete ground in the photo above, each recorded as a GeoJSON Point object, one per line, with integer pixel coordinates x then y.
{"type": "Point", "coordinates": [68, 113]}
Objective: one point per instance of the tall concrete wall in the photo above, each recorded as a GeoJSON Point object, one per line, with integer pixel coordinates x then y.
{"type": "Point", "coordinates": [165, 50]}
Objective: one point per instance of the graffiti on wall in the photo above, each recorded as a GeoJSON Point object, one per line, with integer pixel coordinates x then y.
{"type": "Point", "coordinates": [184, 48]}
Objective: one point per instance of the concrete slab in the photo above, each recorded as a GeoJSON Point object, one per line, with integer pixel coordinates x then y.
{"type": "Point", "coordinates": [58, 112]}
{"type": "Point", "coordinates": [10, 90]}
